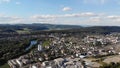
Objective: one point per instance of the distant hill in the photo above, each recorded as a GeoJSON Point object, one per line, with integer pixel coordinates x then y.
{"type": "Point", "coordinates": [96, 29]}
{"type": "Point", "coordinates": [105, 29]}
{"type": "Point", "coordinates": [93, 29]}
{"type": "Point", "coordinates": [34, 27]}
{"type": "Point", "coordinates": [57, 28]}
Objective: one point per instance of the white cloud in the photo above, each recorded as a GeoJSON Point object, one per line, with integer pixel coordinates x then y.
{"type": "Point", "coordinates": [6, 1]}
{"type": "Point", "coordinates": [18, 3]}
{"type": "Point", "coordinates": [103, 1]}
{"type": "Point", "coordinates": [113, 17]}
{"type": "Point", "coordinates": [86, 18]}
{"type": "Point", "coordinates": [66, 9]}
{"type": "Point", "coordinates": [46, 18]}
{"type": "Point", "coordinates": [86, 14]}
{"type": "Point", "coordinates": [95, 19]}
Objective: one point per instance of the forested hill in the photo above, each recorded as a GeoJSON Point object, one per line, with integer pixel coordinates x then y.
{"type": "Point", "coordinates": [94, 29]}
{"type": "Point", "coordinates": [36, 26]}
{"type": "Point", "coordinates": [97, 29]}
{"type": "Point", "coordinates": [104, 29]}
{"type": "Point", "coordinates": [26, 28]}
{"type": "Point", "coordinates": [101, 29]}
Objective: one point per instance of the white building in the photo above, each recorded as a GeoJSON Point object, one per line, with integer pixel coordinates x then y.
{"type": "Point", "coordinates": [40, 48]}
{"type": "Point", "coordinates": [19, 62]}
{"type": "Point", "coordinates": [34, 66]}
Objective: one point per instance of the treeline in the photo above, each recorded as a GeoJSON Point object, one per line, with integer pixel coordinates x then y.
{"type": "Point", "coordinates": [87, 30]}
{"type": "Point", "coordinates": [11, 49]}
{"type": "Point", "coordinates": [58, 28]}
{"type": "Point", "coordinates": [111, 65]}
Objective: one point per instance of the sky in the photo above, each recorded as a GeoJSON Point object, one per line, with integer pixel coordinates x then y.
{"type": "Point", "coordinates": [71, 12]}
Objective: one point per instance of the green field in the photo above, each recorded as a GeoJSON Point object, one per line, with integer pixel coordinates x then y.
{"type": "Point", "coordinates": [22, 31]}
{"type": "Point", "coordinates": [25, 30]}
{"type": "Point", "coordinates": [46, 43]}
{"type": "Point", "coordinates": [5, 66]}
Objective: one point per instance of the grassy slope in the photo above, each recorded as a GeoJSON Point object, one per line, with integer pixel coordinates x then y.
{"type": "Point", "coordinates": [5, 66]}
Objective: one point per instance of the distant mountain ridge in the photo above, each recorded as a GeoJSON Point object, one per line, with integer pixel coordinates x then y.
{"type": "Point", "coordinates": [98, 29]}
{"type": "Point", "coordinates": [35, 27]}
{"type": "Point", "coordinates": [68, 28]}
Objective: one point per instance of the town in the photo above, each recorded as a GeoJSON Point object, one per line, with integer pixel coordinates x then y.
{"type": "Point", "coordinates": [70, 51]}
{"type": "Point", "coordinates": [59, 33]}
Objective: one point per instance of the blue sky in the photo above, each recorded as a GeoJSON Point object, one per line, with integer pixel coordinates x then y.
{"type": "Point", "coordinates": [73, 12]}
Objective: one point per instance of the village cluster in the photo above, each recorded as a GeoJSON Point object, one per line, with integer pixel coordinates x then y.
{"type": "Point", "coordinates": [68, 52]}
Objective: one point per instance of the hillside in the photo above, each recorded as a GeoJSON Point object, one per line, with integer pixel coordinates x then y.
{"type": "Point", "coordinates": [34, 27]}
{"type": "Point", "coordinates": [26, 28]}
